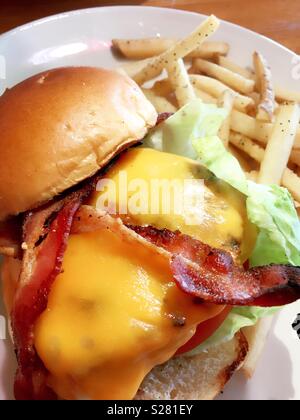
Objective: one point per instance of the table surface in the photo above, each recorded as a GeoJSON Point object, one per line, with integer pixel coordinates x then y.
{"type": "Point", "coordinates": [277, 19]}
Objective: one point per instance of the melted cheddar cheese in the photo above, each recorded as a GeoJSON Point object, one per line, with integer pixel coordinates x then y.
{"type": "Point", "coordinates": [112, 315]}
{"type": "Point", "coordinates": [223, 217]}
{"type": "Point", "coordinates": [115, 312]}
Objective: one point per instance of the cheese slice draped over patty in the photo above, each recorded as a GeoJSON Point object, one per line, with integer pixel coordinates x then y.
{"type": "Point", "coordinates": [115, 311]}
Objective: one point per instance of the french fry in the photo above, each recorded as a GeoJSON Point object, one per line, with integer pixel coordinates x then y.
{"type": "Point", "coordinates": [209, 50]}
{"type": "Point", "coordinates": [250, 127]}
{"type": "Point", "coordinates": [290, 180]}
{"type": "Point", "coordinates": [180, 81]}
{"type": "Point", "coordinates": [243, 160]}
{"type": "Point", "coordinates": [226, 101]}
{"type": "Point", "coordinates": [255, 129]}
{"type": "Point", "coordinates": [206, 97]}
{"type": "Point", "coordinates": [256, 97]}
{"type": "Point", "coordinates": [179, 50]}
{"type": "Point", "coordinates": [252, 176]}
{"type": "Point", "coordinates": [160, 103]}
{"type": "Point", "coordinates": [247, 145]}
{"type": "Point", "coordinates": [163, 87]}
{"type": "Point", "coordinates": [235, 68]}
{"type": "Point", "coordinates": [280, 144]}
{"type": "Point", "coordinates": [231, 86]}
{"type": "Point", "coordinates": [139, 49]}
{"type": "Point", "coordinates": [216, 88]}
{"type": "Point", "coordinates": [264, 83]}
{"type": "Point", "coordinates": [133, 67]}
{"type": "Point", "coordinates": [231, 79]}
{"type": "Point", "coordinates": [283, 95]}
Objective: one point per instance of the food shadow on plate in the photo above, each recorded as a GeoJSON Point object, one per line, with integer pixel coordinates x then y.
{"type": "Point", "coordinates": [272, 379]}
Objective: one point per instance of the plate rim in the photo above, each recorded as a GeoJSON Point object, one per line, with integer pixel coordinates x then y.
{"type": "Point", "coordinates": [82, 12]}
{"type": "Point", "coordinates": [90, 10]}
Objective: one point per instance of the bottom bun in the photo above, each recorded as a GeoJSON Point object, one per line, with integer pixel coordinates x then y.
{"type": "Point", "coordinates": [200, 377]}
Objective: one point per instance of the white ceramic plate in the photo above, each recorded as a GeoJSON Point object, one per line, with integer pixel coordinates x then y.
{"type": "Point", "coordinates": [83, 38]}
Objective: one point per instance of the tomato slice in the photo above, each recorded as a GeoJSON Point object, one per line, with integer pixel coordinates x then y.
{"type": "Point", "coordinates": [204, 331]}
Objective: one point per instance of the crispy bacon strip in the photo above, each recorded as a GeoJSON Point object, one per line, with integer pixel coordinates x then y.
{"type": "Point", "coordinates": [31, 301]}
{"type": "Point", "coordinates": [272, 285]}
{"type": "Point", "coordinates": [45, 235]}
{"type": "Point", "coordinates": [211, 275]}
{"type": "Point", "coordinates": [184, 245]}
{"type": "Point", "coordinates": [200, 270]}
{"type": "Point", "coordinates": [163, 116]}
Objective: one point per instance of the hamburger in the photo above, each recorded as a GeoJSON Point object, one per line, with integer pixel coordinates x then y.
{"type": "Point", "coordinates": [107, 303]}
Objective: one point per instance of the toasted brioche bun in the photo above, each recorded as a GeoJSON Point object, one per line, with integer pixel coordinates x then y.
{"type": "Point", "coordinates": [199, 377]}
{"type": "Point", "coordinates": [60, 127]}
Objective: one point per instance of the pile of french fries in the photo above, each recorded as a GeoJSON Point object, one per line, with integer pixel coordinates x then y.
{"type": "Point", "coordinates": [262, 128]}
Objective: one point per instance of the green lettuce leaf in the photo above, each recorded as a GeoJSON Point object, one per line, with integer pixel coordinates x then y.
{"type": "Point", "coordinates": [271, 208]}
{"type": "Point", "coordinates": [193, 132]}
{"type": "Point", "coordinates": [176, 135]}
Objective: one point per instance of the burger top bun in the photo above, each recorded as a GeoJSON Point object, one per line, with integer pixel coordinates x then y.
{"type": "Point", "coordinates": [60, 127]}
